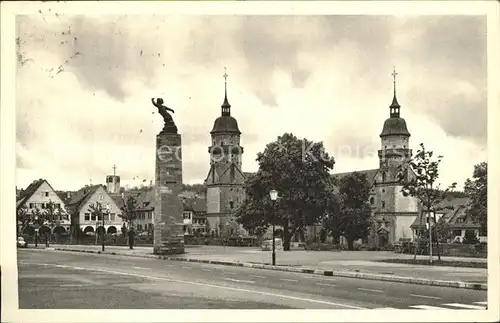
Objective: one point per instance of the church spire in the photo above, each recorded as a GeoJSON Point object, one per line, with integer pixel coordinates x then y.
{"type": "Point", "coordinates": [394, 105]}
{"type": "Point", "coordinates": [226, 107]}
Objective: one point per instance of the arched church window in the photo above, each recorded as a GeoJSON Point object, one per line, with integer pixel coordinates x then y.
{"type": "Point", "coordinates": [383, 177]}
{"type": "Point", "coordinates": [383, 204]}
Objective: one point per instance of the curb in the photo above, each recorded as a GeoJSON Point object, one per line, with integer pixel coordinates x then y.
{"type": "Point", "coordinates": [367, 276]}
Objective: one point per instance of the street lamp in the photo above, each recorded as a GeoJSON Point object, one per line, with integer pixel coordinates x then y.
{"type": "Point", "coordinates": [36, 231]}
{"type": "Point", "coordinates": [274, 195]}
{"type": "Point", "coordinates": [103, 229]}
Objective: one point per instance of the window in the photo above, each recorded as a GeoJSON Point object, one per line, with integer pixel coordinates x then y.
{"type": "Point", "coordinates": [149, 215]}
{"type": "Point", "coordinates": [93, 218]}
{"type": "Point", "coordinates": [46, 194]}
{"type": "Point", "coordinates": [383, 190]}
{"type": "Point", "coordinates": [106, 217]}
{"type": "Point", "coordinates": [31, 205]}
{"type": "Point", "coordinates": [457, 232]}
{"type": "Point", "coordinates": [139, 227]}
{"type": "Point", "coordinates": [87, 216]}
{"type": "Point", "coordinates": [112, 216]}
{"type": "Point", "coordinates": [100, 197]}
{"type": "Point", "coordinates": [383, 177]}
{"type": "Point", "coordinates": [372, 200]}
{"type": "Point", "coordinates": [383, 204]}
{"type": "Point", "coordinates": [231, 205]}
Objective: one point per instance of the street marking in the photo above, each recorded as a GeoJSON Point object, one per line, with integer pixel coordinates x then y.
{"type": "Point", "coordinates": [472, 307]}
{"type": "Point", "coordinates": [371, 290]}
{"type": "Point", "coordinates": [330, 285]}
{"type": "Point", "coordinates": [185, 267]}
{"type": "Point", "coordinates": [140, 268]}
{"type": "Point", "coordinates": [222, 287]}
{"type": "Point", "coordinates": [206, 269]}
{"type": "Point", "coordinates": [73, 285]}
{"type": "Point", "coordinates": [240, 281]}
{"type": "Point", "coordinates": [257, 276]}
{"type": "Point", "coordinates": [427, 307]}
{"type": "Point", "coordinates": [79, 268]}
{"type": "Point", "coordinates": [168, 265]}
{"type": "Point", "coordinates": [289, 280]}
{"type": "Point", "coordinates": [481, 303]}
{"type": "Point", "coordinates": [228, 273]}
{"type": "Point", "coordinates": [423, 296]}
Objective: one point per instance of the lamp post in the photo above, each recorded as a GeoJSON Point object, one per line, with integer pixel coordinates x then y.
{"type": "Point", "coordinates": [274, 195]}
{"type": "Point", "coordinates": [103, 229]}
{"type": "Point", "coordinates": [36, 231]}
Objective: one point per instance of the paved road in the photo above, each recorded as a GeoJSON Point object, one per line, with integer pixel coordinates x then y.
{"type": "Point", "coordinates": [65, 280]}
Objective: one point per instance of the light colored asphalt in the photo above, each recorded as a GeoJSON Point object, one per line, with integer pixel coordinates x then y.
{"type": "Point", "coordinates": [215, 286]}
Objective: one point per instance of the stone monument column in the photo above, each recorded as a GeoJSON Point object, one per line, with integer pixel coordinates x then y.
{"type": "Point", "coordinates": [168, 222]}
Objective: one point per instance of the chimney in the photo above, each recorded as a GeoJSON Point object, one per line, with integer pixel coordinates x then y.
{"type": "Point", "coordinates": [68, 195]}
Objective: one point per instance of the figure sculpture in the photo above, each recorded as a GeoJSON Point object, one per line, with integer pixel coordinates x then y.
{"type": "Point", "coordinates": [170, 126]}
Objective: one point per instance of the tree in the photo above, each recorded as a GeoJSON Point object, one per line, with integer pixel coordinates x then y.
{"type": "Point", "coordinates": [418, 178]}
{"type": "Point", "coordinates": [477, 190]}
{"type": "Point", "coordinates": [350, 215]}
{"type": "Point", "coordinates": [299, 170]}
{"type": "Point", "coordinates": [128, 210]}
{"type": "Point", "coordinates": [23, 218]}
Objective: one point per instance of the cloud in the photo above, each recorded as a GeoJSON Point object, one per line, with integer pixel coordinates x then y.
{"type": "Point", "coordinates": [326, 78]}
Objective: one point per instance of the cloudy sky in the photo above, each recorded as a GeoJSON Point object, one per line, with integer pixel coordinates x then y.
{"type": "Point", "coordinates": [84, 85]}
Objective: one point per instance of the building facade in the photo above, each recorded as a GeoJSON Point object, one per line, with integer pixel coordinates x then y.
{"type": "Point", "coordinates": [81, 212]}
{"type": "Point", "coordinates": [40, 199]}
{"type": "Point", "coordinates": [225, 178]}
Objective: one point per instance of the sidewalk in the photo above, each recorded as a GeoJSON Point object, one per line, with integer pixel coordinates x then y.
{"type": "Point", "coordinates": [360, 264]}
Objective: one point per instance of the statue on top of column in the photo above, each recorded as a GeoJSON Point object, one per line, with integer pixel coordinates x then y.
{"type": "Point", "coordinates": [169, 126]}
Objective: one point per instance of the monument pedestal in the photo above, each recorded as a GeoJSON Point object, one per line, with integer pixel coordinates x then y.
{"type": "Point", "coordinates": [168, 221]}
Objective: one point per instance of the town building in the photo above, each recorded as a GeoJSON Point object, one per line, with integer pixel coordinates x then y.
{"type": "Point", "coordinates": [225, 178]}
{"type": "Point", "coordinates": [195, 216]}
{"type": "Point", "coordinates": [40, 199]}
{"type": "Point", "coordinates": [82, 216]}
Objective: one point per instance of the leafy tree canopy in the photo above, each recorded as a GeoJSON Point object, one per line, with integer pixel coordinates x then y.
{"type": "Point", "coordinates": [350, 215]}
{"type": "Point", "coordinates": [477, 190]}
{"type": "Point", "coordinates": [299, 170]}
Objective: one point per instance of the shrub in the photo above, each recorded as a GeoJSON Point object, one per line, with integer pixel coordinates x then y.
{"type": "Point", "coordinates": [470, 237]}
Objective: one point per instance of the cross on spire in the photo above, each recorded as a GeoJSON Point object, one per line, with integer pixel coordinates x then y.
{"type": "Point", "coordinates": [225, 74]}
{"type": "Point", "coordinates": [114, 170]}
{"type": "Point", "coordinates": [395, 105]}
{"type": "Point", "coordinates": [394, 74]}
{"type": "Point", "coordinates": [226, 107]}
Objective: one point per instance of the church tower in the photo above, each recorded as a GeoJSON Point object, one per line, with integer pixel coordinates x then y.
{"type": "Point", "coordinates": [225, 178]}
{"type": "Point", "coordinates": [393, 212]}
{"type": "Point", "coordinates": [395, 138]}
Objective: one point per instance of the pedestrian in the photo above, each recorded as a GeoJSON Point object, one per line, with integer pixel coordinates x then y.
{"type": "Point", "coordinates": [47, 237]}
{"type": "Point", "coordinates": [131, 236]}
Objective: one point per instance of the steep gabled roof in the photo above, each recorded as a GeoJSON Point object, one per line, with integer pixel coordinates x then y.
{"type": "Point", "coordinates": [370, 174]}
{"type": "Point", "coordinates": [30, 190]}
{"type": "Point", "coordinates": [145, 201]}
{"type": "Point", "coordinates": [82, 196]}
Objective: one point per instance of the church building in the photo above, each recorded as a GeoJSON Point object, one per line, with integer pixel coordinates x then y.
{"type": "Point", "coordinates": [225, 178]}
{"type": "Point", "coordinates": [392, 212]}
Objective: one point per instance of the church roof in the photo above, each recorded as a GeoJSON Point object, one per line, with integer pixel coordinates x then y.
{"type": "Point", "coordinates": [225, 123]}
{"type": "Point", "coordinates": [395, 126]}
{"type": "Point", "coordinates": [370, 174]}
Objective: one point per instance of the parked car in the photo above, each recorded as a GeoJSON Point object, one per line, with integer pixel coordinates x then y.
{"type": "Point", "coordinates": [21, 243]}
{"type": "Point", "coordinates": [267, 245]}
